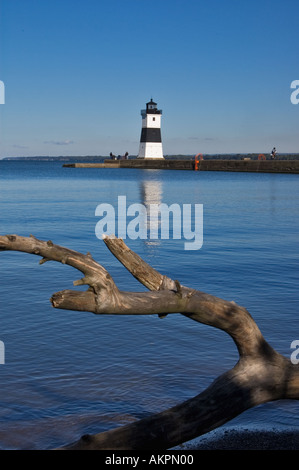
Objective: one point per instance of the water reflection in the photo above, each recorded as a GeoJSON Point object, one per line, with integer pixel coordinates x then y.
{"type": "Point", "coordinates": [64, 370]}
{"type": "Point", "coordinates": [151, 192]}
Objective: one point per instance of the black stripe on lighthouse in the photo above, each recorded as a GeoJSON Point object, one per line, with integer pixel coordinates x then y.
{"type": "Point", "coordinates": [150, 134]}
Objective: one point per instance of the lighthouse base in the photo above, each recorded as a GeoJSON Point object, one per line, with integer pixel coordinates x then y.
{"type": "Point", "coordinates": [150, 150]}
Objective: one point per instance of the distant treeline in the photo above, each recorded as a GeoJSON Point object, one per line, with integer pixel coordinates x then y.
{"type": "Point", "coordinates": [101, 158]}
{"type": "Point", "coordinates": [59, 159]}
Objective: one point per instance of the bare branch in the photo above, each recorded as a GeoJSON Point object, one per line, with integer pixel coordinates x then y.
{"type": "Point", "coordinates": [94, 274]}
{"type": "Point", "coordinates": [142, 271]}
{"type": "Point", "coordinates": [247, 385]}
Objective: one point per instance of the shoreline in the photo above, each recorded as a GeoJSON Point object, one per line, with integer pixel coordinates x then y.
{"type": "Point", "coordinates": [245, 439]}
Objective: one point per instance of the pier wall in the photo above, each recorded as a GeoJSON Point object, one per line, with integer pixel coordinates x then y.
{"type": "Point", "coordinates": [262, 166]}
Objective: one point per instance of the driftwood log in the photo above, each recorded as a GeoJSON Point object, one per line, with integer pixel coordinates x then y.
{"type": "Point", "coordinates": [260, 375]}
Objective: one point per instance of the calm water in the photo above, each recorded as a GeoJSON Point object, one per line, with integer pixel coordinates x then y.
{"type": "Point", "coordinates": [70, 373]}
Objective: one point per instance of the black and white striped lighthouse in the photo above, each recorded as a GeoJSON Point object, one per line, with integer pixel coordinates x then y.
{"type": "Point", "coordinates": [150, 140]}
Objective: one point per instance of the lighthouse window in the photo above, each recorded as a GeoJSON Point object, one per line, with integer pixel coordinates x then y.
{"type": "Point", "coordinates": [154, 119]}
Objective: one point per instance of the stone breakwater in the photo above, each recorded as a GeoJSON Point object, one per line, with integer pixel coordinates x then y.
{"type": "Point", "coordinates": [262, 166]}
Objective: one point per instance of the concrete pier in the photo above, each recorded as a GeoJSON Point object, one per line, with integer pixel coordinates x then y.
{"type": "Point", "coordinates": [262, 166]}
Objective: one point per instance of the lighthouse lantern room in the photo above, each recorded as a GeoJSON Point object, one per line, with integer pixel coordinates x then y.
{"type": "Point", "coordinates": [150, 140]}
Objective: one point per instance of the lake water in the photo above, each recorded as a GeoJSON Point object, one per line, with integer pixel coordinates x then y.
{"type": "Point", "coordinates": [69, 373]}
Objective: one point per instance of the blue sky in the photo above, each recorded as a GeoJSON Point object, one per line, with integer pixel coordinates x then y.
{"type": "Point", "coordinates": [77, 73]}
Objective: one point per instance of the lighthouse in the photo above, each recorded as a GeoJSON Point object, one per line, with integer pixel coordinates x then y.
{"type": "Point", "coordinates": [150, 140]}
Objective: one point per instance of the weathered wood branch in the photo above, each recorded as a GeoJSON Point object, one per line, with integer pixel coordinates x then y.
{"type": "Point", "coordinates": [261, 374]}
{"type": "Point", "coordinates": [201, 307]}
{"type": "Point", "coordinates": [245, 386]}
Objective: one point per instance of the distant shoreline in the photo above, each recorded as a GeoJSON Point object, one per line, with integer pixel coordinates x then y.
{"type": "Point", "coordinates": [101, 158]}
